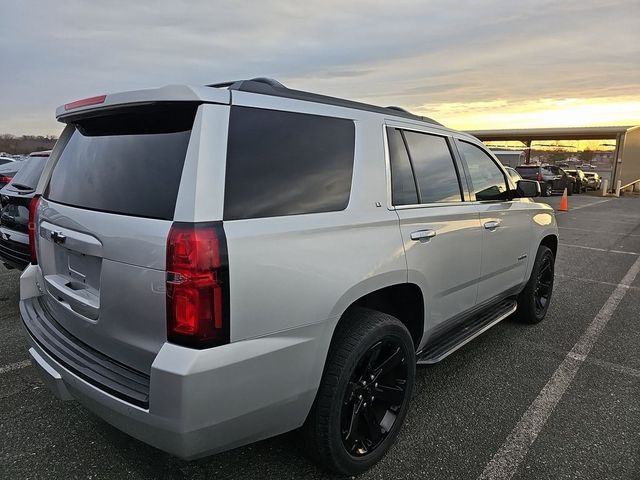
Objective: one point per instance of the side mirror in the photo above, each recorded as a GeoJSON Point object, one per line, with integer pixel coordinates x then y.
{"type": "Point", "coordinates": [528, 188]}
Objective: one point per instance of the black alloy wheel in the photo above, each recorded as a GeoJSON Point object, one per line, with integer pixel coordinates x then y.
{"type": "Point", "coordinates": [534, 300]}
{"type": "Point", "coordinates": [374, 396]}
{"type": "Point", "coordinates": [364, 393]}
{"type": "Point", "coordinates": [544, 283]}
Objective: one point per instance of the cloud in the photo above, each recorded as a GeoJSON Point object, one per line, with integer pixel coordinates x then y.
{"type": "Point", "coordinates": [410, 53]}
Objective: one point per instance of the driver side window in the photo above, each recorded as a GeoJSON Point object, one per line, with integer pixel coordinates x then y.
{"type": "Point", "coordinates": [487, 179]}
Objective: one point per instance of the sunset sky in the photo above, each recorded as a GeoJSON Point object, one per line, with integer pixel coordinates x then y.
{"type": "Point", "coordinates": [470, 65]}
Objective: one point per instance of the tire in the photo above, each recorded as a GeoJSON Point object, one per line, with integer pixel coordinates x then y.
{"type": "Point", "coordinates": [547, 190]}
{"type": "Point", "coordinates": [570, 191]}
{"type": "Point", "coordinates": [530, 310]}
{"type": "Point", "coordinates": [335, 431]}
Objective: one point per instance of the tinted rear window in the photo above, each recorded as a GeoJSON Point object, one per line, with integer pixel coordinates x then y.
{"type": "Point", "coordinates": [128, 163]}
{"type": "Point", "coordinates": [433, 167]}
{"type": "Point", "coordinates": [284, 163]}
{"type": "Point", "coordinates": [526, 169]}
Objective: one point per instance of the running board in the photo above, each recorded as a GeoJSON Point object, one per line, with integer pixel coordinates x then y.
{"type": "Point", "coordinates": [469, 330]}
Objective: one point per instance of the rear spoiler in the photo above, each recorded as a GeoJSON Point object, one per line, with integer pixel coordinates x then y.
{"type": "Point", "coordinates": [170, 93]}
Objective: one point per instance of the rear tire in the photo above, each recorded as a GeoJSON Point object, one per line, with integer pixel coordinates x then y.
{"type": "Point", "coordinates": [547, 190]}
{"type": "Point", "coordinates": [352, 424]}
{"type": "Point", "coordinates": [570, 191]}
{"type": "Point", "coordinates": [533, 301]}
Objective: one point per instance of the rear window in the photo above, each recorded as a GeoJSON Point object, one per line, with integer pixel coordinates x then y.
{"type": "Point", "coordinates": [285, 163]}
{"type": "Point", "coordinates": [128, 163]}
{"type": "Point", "coordinates": [526, 169]}
{"type": "Point", "coordinates": [28, 176]}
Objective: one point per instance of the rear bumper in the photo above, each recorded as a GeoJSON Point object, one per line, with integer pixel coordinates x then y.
{"type": "Point", "coordinates": [206, 401]}
{"type": "Point", "coordinates": [14, 251]}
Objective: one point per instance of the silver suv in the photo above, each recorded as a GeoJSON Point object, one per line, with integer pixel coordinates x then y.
{"type": "Point", "coordinates": [217, 265]}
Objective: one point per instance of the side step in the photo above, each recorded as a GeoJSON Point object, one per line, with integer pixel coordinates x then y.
{"type": "Point", "coordinates": [452, 341]}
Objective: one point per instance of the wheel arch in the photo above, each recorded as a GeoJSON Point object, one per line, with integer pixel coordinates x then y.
{"type": "Point", "coordinates": [551, 242]}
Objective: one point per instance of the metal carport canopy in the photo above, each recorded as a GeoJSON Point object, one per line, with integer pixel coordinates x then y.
{"type": "Point", "coordinates": [568, 133]}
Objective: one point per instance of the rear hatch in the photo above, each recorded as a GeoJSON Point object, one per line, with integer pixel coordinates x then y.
{"type": "Point", "coordinates": [103, 224]}
{"type": "Point", "coordinates": [529, 173]}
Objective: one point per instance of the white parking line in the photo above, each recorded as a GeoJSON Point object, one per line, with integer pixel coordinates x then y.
{"type": "Point", "coordinates": [599, 231]}
{"type": "Point", "coordinates": [597, 249]}
{"type": "Point", "coordinates": [573, 209]}
{"type": "Point", "coordinates": [590, 280]}
{"type": "Point", "coordinates": [508, 458]}
{"type": "Point", "coordinates": [15, 366]}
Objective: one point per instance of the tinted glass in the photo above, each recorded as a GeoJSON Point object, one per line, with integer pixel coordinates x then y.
{"type": "Point", "coordinates": [527, 170]}
{"type": "Point", "coordinates": [487, 179]}
{"type": "Point", "coordinates": [128, 163]}
{"type": "Point", "coordinates": [515, 176]}
{"type": "Point", "coordinates": [548, 171]}
{"type": "Point", "coordinates": [403, 185]}
{"type": "Point", "coordinates": [433, 164]}
{"type": "Point", "coordinates": [4, 161]}
{"type": "Point", "coordinates": [284, 163]}
{"type": "Point", "coordinates": [28, 176]}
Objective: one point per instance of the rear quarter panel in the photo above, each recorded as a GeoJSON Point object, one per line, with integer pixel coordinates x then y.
{"type": "Point", "coordinates": [292, 271]}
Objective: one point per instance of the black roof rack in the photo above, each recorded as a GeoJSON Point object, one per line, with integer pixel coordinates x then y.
{"type": "Point", "coordinates": [269, 86]}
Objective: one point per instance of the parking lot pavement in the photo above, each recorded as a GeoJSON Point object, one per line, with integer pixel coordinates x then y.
{"type": "Point", "coordinates": [514, 403]}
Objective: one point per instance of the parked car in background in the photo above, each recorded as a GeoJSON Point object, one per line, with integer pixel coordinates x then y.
{"type": "Point", "coordinates": [15, 199]}
{"type": "Point", "coordinates": [7, 171]}
{"type": "Point", "coordinates": [587, 166]}
{"type": "Point", "coordinates": [580, 182]}
{"type": "Point", "coordinates": [594, 181]}
{"type": "Point", "coordinates": [5, 160]}
{"type": "Point", "coordinates": [552, 179]}
{"type": "Point", "coordinates": [217, 265]}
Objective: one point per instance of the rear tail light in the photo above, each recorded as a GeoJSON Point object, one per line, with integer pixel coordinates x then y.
{"type": "Point", "coordinates": [197, 285]}
{"type": "Point", "coordinates": [539, 177]}
{"type": "Point", "coordinates": [32, 227]}
{"type": "Point", "coordinates": [4, 179]}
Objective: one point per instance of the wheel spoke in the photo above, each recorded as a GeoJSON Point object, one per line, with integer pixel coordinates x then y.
{"type": "Point", "coordinates": [545, 267]}
{"type": "Point", "coordinates": [391, 396]}
{"type": "Point", "coordinates": [372, 358]}
{"type": "Point", "coordinates": [354, 414]}
{"type": "Point", "coordinates": [375, 432]}
{"type": "Point", "coordinates": [390, 363]}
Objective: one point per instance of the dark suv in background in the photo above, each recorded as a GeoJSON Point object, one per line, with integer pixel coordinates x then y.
{"type": "Point", "coordinates": [552, 179]}
{"type": "Point", "coordinates": [15, 199]}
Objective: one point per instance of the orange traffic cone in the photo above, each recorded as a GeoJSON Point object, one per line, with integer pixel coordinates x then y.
{"type": "Point", "coordinates": [564, 202]}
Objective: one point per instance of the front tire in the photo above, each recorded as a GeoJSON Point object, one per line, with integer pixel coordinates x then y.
{"type": "Point", "coordinates": [533, 301]}
{"type": "Point", "coordinates": [547, 190]}
{"type": "Point", "coordinates": [364, 393]}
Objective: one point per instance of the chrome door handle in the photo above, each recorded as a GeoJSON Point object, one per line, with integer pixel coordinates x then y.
{"type": "Point", "coordinates": [423, 234]}
{"type": "Point", "coordinates": [492, 225]}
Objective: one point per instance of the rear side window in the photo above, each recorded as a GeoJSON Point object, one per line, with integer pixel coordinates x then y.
{"type": "Point", "coordinates": [285, 163]}
{"type": "Point", "coordinates": [403, 185]}
{"type": "Point", "coordinates": [433, 167]}
{"type": "Point", "coordinates": [127, 163]}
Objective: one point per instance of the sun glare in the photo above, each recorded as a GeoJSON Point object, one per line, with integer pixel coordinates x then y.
{"type": "Point", "coordinates": [570, 112]}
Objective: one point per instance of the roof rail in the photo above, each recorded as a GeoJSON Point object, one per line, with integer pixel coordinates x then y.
{"type": "Point", "coordinates": [399, 109]}
{"type": "Point", "coordinates": [269, 86]}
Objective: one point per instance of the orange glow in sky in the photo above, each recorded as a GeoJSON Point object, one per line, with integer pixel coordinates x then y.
{"type": "Point", "coordinates": [570, 112]}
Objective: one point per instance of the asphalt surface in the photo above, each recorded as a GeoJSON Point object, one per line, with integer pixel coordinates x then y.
{"type": "Point", "coordinates": [465, 410]}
